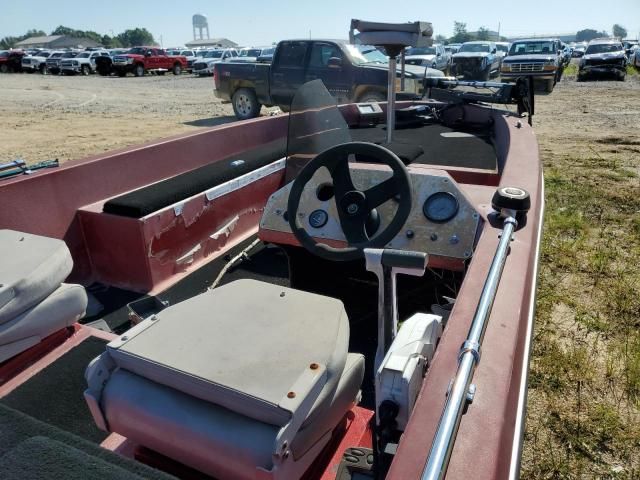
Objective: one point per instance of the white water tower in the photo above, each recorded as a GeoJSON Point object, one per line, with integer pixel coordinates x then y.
{"type": "Point", "coordinates": [200, 24]}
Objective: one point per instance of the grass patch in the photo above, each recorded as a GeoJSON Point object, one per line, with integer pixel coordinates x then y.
{"type": "Point", "coordinates": [584, 409]}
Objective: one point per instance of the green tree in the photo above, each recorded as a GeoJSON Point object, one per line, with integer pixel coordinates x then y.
{"type": "Point", "coordinates": [136, 37]}
{"type": "Point", "coordinates": [440, 39]}
{"type": "Point", "coordinates": [483, 33]}
{"type": "Point", "coordinates": [619, 31]}
{"type": "Point", "coordinates": [460, 34]}
{"type": "Point", "coordinates": [589, 34]}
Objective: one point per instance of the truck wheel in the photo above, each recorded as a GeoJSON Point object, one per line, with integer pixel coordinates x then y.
{"type": "Point", "coordinates": [245, 104]}
{"type": "Point", "coordinates": [622, 76]}
{"type": "Point", "coordinates": [84, 70]}
{"type": "Point", "coordinates": [177, 69]}
{"type": "Point", "coordinates": [549, 84]}
{"type": "Point", "coordinates": [122, 73]}
{"type": "Point", "coordinates": [486, 76]}
{"type": "Point", "coordinates": [370, 97]}
{"type": "Point", "coordinates": [138, 71]}
{"type": "Point", "coordinates": [4, 68]}
{"type": "Point", "coordinates": [42, 69]}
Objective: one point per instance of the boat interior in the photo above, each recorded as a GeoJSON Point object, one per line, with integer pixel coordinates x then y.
{"type": "Point", "coordinates": [280, 298]}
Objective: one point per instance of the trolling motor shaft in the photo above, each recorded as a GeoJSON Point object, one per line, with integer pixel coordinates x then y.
{"type": "Point", "coordinates": [511, 203]}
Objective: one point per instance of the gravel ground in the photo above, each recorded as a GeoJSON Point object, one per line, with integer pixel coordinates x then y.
{"type": "Point", "coordinates": [71, 117]}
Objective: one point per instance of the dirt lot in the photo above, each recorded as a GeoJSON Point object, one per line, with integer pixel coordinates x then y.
{"type": "Point", "coordinates": [50, 116]}
{"type": "Point", "coordinates": [584, 398]}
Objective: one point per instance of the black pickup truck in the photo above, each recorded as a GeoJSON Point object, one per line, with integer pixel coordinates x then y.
{"type": "Point", "coordinates": [350, 73]}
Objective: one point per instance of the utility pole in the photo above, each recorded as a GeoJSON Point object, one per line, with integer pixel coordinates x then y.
{"type": "Point", "coordinates": [498, 31]}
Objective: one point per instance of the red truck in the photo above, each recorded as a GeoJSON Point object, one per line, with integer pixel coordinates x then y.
{"type": "Point", "coordinates": [139, 60]}
{"type": "Point", "coordinates": [11, 61]}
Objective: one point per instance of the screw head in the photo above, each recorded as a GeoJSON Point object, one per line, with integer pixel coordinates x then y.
{"type": "Point", "coordinates": [291, 395]}
{"type": "Point", "coordinates": [314, 366]}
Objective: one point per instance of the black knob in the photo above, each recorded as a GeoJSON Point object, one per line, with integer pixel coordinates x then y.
{"type": "Point", "coordinates": [512, 198]}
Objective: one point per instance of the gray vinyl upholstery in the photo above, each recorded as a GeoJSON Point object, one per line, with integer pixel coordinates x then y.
{"type": "Point", "coordinates": [32, 267]}
{"type": "Point", "coordinates": [203, 382]}
{"type": "Point", "coordinates": [34, 302]}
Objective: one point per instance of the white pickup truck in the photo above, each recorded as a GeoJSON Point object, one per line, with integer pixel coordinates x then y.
{"type": "Point", "coordinates": [84, 62]}
{"type": "Point", "coordinates": [36, 62]}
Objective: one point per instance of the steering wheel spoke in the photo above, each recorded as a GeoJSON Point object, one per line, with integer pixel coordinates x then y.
{"type": "Point", "coordinates": [342, 182]}
{"type": "Point", "coordinates": [384, 191]}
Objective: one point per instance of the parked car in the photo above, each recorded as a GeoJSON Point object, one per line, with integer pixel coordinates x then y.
{"type": "Point", "coordinates": [252, 54]}
{"type": "Point", "coordinates": [629, 46]}
{"type": "Point", "coordinates": [578, 51]}
{"type": "Point", "coordinates": [503, 49]}
{"type": "Point", "coordinates": [635, 57]}
{"type": "Point", "coordinates": [11, 61]}
{"type": "Point", "coordinates": [267, 55]}
{"type": "Point", "coordinates": [53, 62]}
{"type": "Point", "coordinates": [36, 62]}
{"type": "Point", "coordinates": [603, 56]}
{"type": "Point", "coordinates": [140, 60]}
{"type": "Point", "coordinates": [205, 65]}
{"type": "Point", "coordinates": [476, 60]}
{"type": "Point", "coordinates": [435, 57]}
{"type": "Point", "coordinates": [347, 73]}
{"type": "Point", "coordinates": [190, 55]}
{"type": "Point", "coordinates": [84, 62]}
{"type": "Point", "coordinates": [540, 58]}
{"type": "Point", "coordinates": [453, 47]}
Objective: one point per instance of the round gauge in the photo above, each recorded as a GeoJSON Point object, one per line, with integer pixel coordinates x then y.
{"type": "Point", "coordinates": [318, 218]}
{"type": "Point", "coordinates": [440, 207]}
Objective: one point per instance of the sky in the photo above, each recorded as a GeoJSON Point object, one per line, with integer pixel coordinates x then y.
{"type": "Point", "coordinates": [261, 22]}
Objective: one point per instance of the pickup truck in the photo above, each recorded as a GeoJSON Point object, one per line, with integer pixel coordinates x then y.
{"type": "Point", "coordinates": [540, 58]}
{"type": "Point", "coordinates": [140, 60]}
{"type": "Point", "coordinates": [476, 60]}
{"type": "Point", "coordinates": [84, 62]}
{"type": "Point", "coordinates": [36, 62]}
{"type": "Point", "coordinates": [435, 57]}
{"type": "Point", "coordinates": [11, 61]}
{"type": "Point", "coordinates": [348, 73]}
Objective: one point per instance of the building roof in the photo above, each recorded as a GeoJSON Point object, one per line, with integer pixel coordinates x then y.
{"type": "Point", "coordinates": [38, 40]}
{"type": "Point", "coordinates": [212, 42]}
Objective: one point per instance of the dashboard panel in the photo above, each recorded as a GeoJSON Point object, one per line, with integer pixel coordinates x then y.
{"type": "Point", "coordinates": [442, 222]}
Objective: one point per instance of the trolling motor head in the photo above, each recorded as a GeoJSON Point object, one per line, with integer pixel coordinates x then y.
{"type": "Point", "coordinates": [394, 37]}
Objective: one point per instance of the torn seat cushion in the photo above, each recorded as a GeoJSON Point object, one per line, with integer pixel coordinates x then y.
{"type": "Point", "coordinates": [241, 346]}
{"type": "Point", "coordinates": [62, 308]}
{"type": "Point", "coordinates": [33, 267]}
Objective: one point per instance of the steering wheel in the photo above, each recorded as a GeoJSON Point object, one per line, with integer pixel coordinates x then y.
{"type": "Point", "coordinates": [354, 206]}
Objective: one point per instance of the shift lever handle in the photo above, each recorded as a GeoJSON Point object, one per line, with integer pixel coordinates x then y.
{"type": "Point", "coordinates": [386, 264]}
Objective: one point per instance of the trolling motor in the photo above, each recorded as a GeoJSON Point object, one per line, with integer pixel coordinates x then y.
{"type": "Point", "coordinates": [520, 93]}
{"type": "Point", "coordinates": [511, 205]}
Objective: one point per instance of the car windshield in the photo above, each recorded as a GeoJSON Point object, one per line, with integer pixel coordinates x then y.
{"type": "Point", "coordinates": [502, 48]}
{"type": "Point", "coordinates": [68, 54]}
{"type": "Point", "coordinates": [252, 52]}
{"type": "Point", "coordinates": [603, 48]}
{"type": "Point", "coordinates": [475, 47]}
{"type": "Point", "coordinates": [527, 48]}
{"type": "Point", "coordinates": [365, 54]}
{"type": "Point", "coordinates": [83, 55]}
{"type": "Point", "coordinates": [4, 54]}
{"type": "Point", "coordinates": [214, 54]}
{"type": "Point", "coordinates": [268, 51]}
{"type": "Point", "coordinates": [422, 51]}
{"type": "Point", "coordinates": [137, 51]}
{"type": "Point", "coordinates": [173, 52]}
{"type": "Point", "coordinates": [56, 55]}
{"type": "Point", "coordinates": [186, 53]}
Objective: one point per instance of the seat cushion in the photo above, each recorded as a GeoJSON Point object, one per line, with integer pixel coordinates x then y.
{"type": "Point", "coordinates": [241, 346]}
{"type": "Point", "coordinates": [32, 268]}
{"type": "Point", "coordinates": [61, 309]}
{"type": "Point", "coordinates": [210, 438]}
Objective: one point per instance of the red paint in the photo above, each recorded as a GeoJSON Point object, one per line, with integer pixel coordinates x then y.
{"type": "Point", "coordinates": [46, 202]}
{"type": "Point", "coordinates": [483, 446]}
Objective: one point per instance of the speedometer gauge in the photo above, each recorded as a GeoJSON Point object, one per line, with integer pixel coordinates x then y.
{"type": "Point", "coordinates": [440, 207]}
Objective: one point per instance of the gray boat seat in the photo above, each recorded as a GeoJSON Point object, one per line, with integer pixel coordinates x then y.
{"type": "Point", "coordinates": [410, 34]}
{"type": "Point", "coordinates": [246, 381]}
{"type": "Point", "coordinates": [34, 302]}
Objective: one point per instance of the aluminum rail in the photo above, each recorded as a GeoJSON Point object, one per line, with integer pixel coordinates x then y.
{"type": "Point", "coordinates": [13, 164]}
{"type": "Point", "coordinates": [391, 98]}
{"type": "Point", "coordinates": [461, 391]}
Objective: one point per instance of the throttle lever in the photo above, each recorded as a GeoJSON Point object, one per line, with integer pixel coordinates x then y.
{"type": "Point", "coordinates": [386, 264]}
